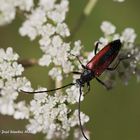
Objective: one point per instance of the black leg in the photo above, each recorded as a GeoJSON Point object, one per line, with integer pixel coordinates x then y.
{"type": "Point", "coordinates": [88, 88]}
{"type": "Point", "coordinates": [79, 114]}
{"type": "Point", "coordinates": [84, 67]}
{"type": "Point", "coordinates": [96, 47]}
{"type": "Point", "coordinates": [76, 72]}
{"type": "Point", "coordinates": [101, 82]}
{"type": "Point", "coordinates": [120, 59]}
{"type": "Point", "coordinates": [112, 69]}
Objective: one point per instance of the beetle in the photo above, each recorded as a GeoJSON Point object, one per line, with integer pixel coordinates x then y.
{"type": "Point", "coordinates": [93, 69]}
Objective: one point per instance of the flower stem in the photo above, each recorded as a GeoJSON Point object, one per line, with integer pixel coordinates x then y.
{"type": "Point", "coordinates": [58, 84]}
{"type": "Point", "coordinates": [86, 12]}
{"type": "Point", "coordinates": [89, 7]}
{"type": "Point", "coordinates": [20, 14]}
{"type": "Point", "coordinates": [26, 63]}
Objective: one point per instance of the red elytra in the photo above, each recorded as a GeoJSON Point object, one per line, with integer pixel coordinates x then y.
{"type": "Point", "coordinates": [101, 61]}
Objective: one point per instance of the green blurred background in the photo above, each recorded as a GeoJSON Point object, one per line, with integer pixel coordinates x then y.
{"type": "Point", "coordinates": [115, 114]}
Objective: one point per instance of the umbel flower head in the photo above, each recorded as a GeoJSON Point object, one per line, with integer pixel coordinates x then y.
{"type": "Point", "coordinates": [49, 114]}
{"type": "Point", "coordinates": [53, 114]}
{"type": "Point", "coordinates": [10, 80]}
{"type": "Point", "coordinates": [128, 67]}
{"type": "Point", "coordinates": [8, 9]}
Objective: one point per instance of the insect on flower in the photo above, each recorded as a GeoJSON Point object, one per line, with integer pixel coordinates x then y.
{"type": "Point", "coordinates": [93, 69]}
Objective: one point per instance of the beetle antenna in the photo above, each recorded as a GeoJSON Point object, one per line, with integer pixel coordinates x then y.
{"type": "Point", "coordinates": [79, 110]}
{"type": "Point", "coordinates": [32, 92]}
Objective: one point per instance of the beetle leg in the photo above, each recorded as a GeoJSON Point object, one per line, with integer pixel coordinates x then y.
{"type": "Point", "coordinates": [120, 59]}
{"type": "Point", "coordinates": [112, 69]}
{"type": "Point", "coordinates": [88, 88]}
{"type": "Point", "coordinates": [96, 47]}
{"type": "Point", "coordinates": [101, 82]}
{"type": "Point", "coordinates": [84, 67]}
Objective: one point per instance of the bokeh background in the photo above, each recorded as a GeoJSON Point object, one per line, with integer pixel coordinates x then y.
{"type": "Point", "coordinates": [115, 114]}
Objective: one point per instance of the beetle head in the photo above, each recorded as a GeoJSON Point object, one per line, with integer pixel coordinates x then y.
{"type": "Point", "coordinates": [85, 77]}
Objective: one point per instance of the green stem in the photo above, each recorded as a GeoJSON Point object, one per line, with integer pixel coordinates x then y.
{"type": "Point", "coordinates": [87, 11]}
{"type": "Point", "coordinates": [58, 84]}
{"type": "Point", "coordinates": [89, 7]}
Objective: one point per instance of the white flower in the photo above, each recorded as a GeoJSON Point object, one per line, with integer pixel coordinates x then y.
{"type": "Point", "coordinates": [73, 94]}
{"type": "Point", "coordinates": [63, 110]}
{"type": "Point", "coordinates": [62, 29]}
{"type": "Point", "coordinates": [8, 70]}
{"type": "Point", "coordinates": [74, 118]}
{"type": "Point", "coordinates": [78, 135]}
{"type": "Point", "coordinates": [77, 48]}
{"type": "Point", "coordinates": [58, 15]}
{"type": "Point", "coordinates": [45, 43]}
{"type": "Point", "coordinates": [31, 26]}
{"type": "Point", "coordinates": [21, 111]}
{"type": "Point", "coordinates": [1, 83]}
{"type": "Point", "coordinates": [28, 30]}
{"type": "Point", "coordinates": [8, 66]}
{"type": "Point", "coordinates": [52, 116]}
{"type": "Point", "coordinates": [107, 28]}
{"type": "Point", "coordinates": [60, 97]}
{"type": "Point", "coordinates": [41, 97]}
{"type": "Point", "coordinates": [67, 67]}
{"type": "Point", "coordinates": [22, 83]}
{"type": "Point", "coordinates": [128, 35]}
{"type": "Point", "coordinates": [45, 60]}
{"type": "Point", "coordinates": [47, 4]}
{"type": "Point", "coordinates": [51, 113]}
{"type": "Point", "coordinates": [8, 9]}
{"type": "Point", "coordinates": [47, 30]}
{"type": "Point", "coordinates": [56, 51]}
{"type": "Point", "coordinates": [8, 55]}
{"type": "Point", "coordinates": [56, 73]}
{"type": "Point", "coordinates": [34, 126]}
{"type": "Point", "coordinates": [35, 107]}
{"type": "Point", "coordinates": [6, 106]}
{"type": "Point", "coordinates": [24, 5]}
{"type": "Point", "coordinates": [10, 83]}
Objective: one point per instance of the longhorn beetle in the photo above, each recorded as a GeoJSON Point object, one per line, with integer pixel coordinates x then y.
{"type": "Point", "coordinates": [93, 69]}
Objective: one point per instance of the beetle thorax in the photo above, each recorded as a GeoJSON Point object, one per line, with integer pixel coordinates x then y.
{"type": "Point", "coordinates": [85, 77]}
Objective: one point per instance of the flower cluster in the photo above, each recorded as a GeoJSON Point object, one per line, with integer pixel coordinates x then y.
{"type": "Point", "coordinates": [52, 116]}
{"type": "Point", "coordinates": [10, 81]}
{"type": "Point", "coordinates": [8, 9]}
{"type": "Point", "coordinates": [129, 52]}
{"type": "Point", "coordinates": [49, 114]}
{"type": "Point", "coordinates": [78, 135]}
{"type": "Point", "coordinates": [46, 21]}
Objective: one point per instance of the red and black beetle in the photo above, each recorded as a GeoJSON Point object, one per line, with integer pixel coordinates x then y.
{"type": "Point", "coordinates": [100, 62]}
{"type": "Point", "coordinates": [93, 69]}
